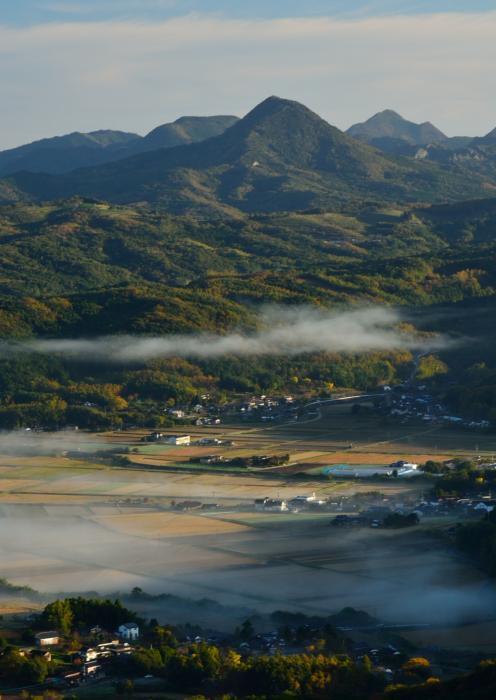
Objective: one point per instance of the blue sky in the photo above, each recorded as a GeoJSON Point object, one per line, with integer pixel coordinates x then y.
{"type": "Point", "coordinates": [82, 65]}
{"type": "Point", "coordinates": [28, 12]}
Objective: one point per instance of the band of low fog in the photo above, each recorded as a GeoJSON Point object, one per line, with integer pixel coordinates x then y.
{"type": "Point", "coordinates": [282, 331]}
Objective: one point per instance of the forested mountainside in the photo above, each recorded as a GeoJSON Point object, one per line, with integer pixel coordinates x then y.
{"type": "Point", "coordinates": [276, 208]}
{"type": "Point", "coordinates": [391, 125]}
{"type": "Point", "coordinates": [61, 154]}
{"type": "Point", "coordinates": [81, 268]}
{"type": "Point", "coordinates": [280, 157]}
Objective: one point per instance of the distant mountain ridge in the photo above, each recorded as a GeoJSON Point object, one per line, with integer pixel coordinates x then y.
{"type": "Point", "coordinates": [187, 130]}
{"type": "Point", "coordinates": [62, 154]}
{"type": "Point", "coordinates": [489, 139]}
{"type": "Point", "coordinates": [280, 156]}
{"type": "Point", "coordinates": [391, 125]}
{"type": "Point", "coordinates": [396, 136]}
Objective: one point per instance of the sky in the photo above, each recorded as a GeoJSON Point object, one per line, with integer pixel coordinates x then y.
{"type": "Point", "coordinates": [81, 65]}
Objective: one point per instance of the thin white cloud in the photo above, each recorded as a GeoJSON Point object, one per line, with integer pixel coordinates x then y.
{"type": "Point", "coordinates": [60, 77]}
{"type": "Point", "coordinates": [284, 331]}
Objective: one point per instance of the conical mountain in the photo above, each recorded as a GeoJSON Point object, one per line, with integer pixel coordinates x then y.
{"type": "Point", "coordinates": [281, 133]}
{"type": "Point", "coordinates": [391, 125]}
{"type": "Point", "coordinates": [280, 156]}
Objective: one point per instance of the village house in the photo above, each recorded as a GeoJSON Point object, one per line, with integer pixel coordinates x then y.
{"type": "Point", "coordinates": [187, 505]}
{"type": "Point", "coordinates": [92, 668]}
{"type": "Point", "coordinates": [129, 631]}
{"type": "Point", "coordinates": [153, 437]}
{"type": "Point", "coordinates": [303, 502]}
{"type": "Point", "coordinates": [88, 655]}
{"type": "Point", "coordinates": [270, 505]}
{"type": "Point", "coordinates": [47, 639]}
{"type": "Point", "coordinates": [178, 440]}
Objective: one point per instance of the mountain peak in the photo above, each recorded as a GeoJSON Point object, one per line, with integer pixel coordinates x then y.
{"type": "Point", "coordinates": [279, 133]}
{"type": "Point", "coordinates": [388, 124]}
{"type": "Point", "coordinates": [276, 101]}
{"type": "Point", "coordinates": [280, 157]}
{"type": "Point", "coordinates": [187, 130]}
{"type": "Point", "coordinates": [490, 137]}
{"type": "Point", "coordinates": [387, 114]}
{"type": "Point", "coordinates": [282, 116]}
{"type": "Point", "coordinates": [272, 105]}
{"type": "Point", "coordinates": [62, 154]}
{"type": "Point", "coordinates": [192, 119]}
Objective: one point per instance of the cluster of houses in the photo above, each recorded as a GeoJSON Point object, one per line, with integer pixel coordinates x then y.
{"type": "Point", "coordinates": [185, 440]}
{"type": "Point", "coordinates": [403, 401]}
{"type": "Point", "coordinates": [375, 515]}
{"type": "Point", "coordinates": [422, 406]}
{"type": "Point", "coordinates": [373, 508]}
{"type": "Point", "coordinates": [271, 505]}
{"type": "Point", "coordinates": [294, 505]}
{"type": "Point", "coordinates": [462, 507]}
{"type": "Point", "coordinates": [208, 421]}
{"type": "Point", "coordinates": [253, 461]}
{"type": "Point", "coordinates": [214, 442]}
{"type": "Point", "coordinates": [183, 506]}
{"type": "Point", "coordinates": [89, 662]}
{"type": "Point", "coordinates": [257, 408]}
{"type": "Point", "coordinates": [371, 517]}
{"type": "Point", "coordinates": [266, 408]}
{"type": "Point", "coordinates": [204, 413]}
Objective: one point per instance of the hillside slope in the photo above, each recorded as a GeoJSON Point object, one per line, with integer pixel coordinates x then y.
{"type": "Point", "coordinates": [391, 125]}
{"type": "Point", "coordinates": [80, 269]}
{"type": "Point", "coordinates": [62, 154]}
{"type": "Point", "coordinates": [281, 156]}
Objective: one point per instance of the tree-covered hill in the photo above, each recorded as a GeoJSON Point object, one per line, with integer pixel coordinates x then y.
{"type": "Point", "coordinates": [62, 154]}
{"type": "Point", "coordinates": [373, 253]}
{"type": "Point", "coordinates": [81, 268]}
{"type": "Point", "coordinates": [280, 157]}
{"type": "Point", "coordinates": [391, 125]}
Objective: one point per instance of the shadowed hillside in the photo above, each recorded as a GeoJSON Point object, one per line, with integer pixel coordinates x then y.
{"type": "Point", "coordinates": [281, 156]}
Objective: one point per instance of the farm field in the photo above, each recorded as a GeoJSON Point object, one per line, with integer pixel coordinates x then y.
{"type": "Point", "coordinates": [245, 561]}
{"type": "Point", "coordinates": [69, 525]}
{"type": "Point", "coordinates": [46, 480]}
{"type": "Point", "coordinates": [334, 436]}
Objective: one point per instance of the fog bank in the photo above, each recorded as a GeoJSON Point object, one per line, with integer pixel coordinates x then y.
{"type": "Point", "coordinates": [30, 442]}
{"type": "Point", "coordinates": [283, 331]}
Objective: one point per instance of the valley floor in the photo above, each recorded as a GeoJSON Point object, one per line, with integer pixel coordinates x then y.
{"type": "Point", "coordinates": [77, 526]}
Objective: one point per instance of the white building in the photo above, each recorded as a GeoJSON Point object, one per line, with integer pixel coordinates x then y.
{"type": "Point", "coordinates": [271, 505]}
{"type": "Point", "coordinates": [399, 469]}
{"type": "Point", "coordinates": [129, 631]}
{"type": "Point", "coordinates": [353, 472]}
{"type": "Point", "coordinates": [47, 639]}
{"type": "Point", "coordinates": [179, 440]}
